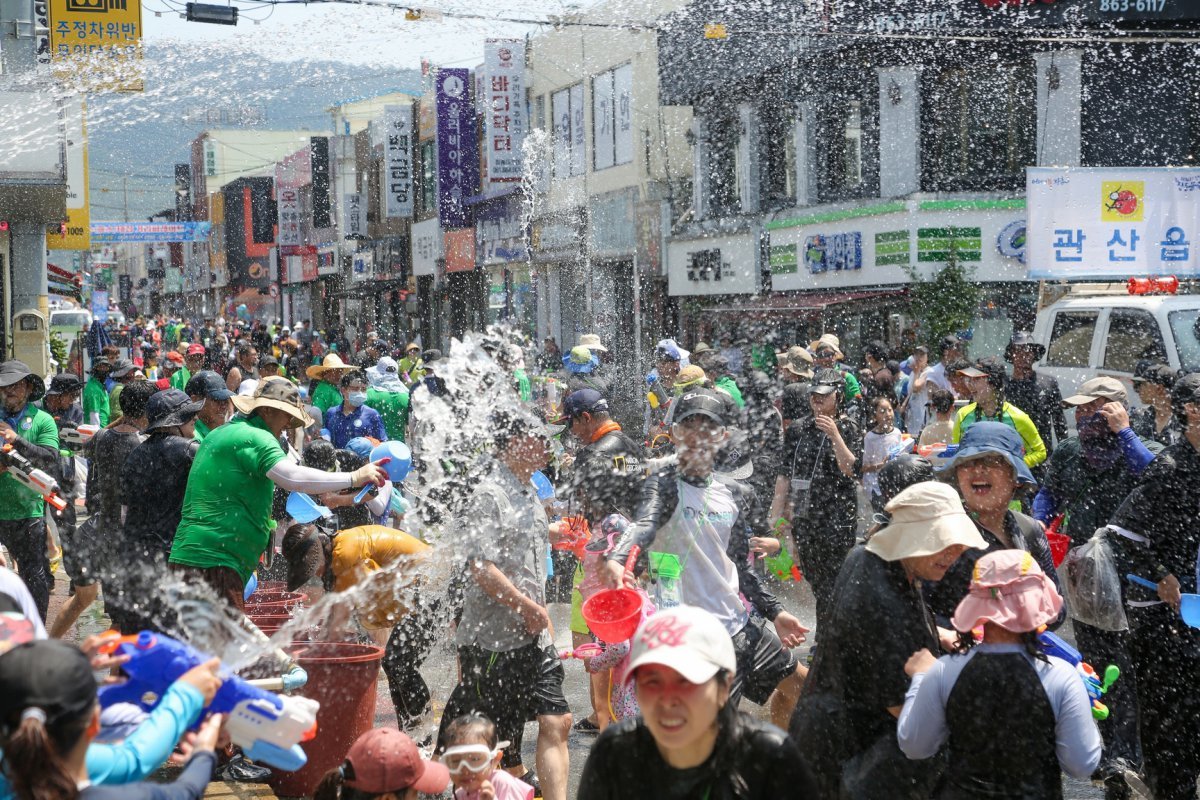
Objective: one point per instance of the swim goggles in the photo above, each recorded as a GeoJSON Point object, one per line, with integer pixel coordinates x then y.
{"type": "Point", "coordinates": [475, 757]}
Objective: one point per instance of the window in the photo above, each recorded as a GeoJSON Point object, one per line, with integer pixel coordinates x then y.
{"type": "Point", "coordinates": [978, 128]}
{"type": "Point", "coordinates": [1071, 339]}
{"type": "Point", "coordinates": [1185, 329]}
{"type": "Point", "coordinates": [851, 173]}
{"type": "Point", "coordinates": [779, 156]}
{"type": "Point", "coordinates": [720, 157]}
{"type": "Point", "coordinates": [612, 118]}
{"type": "Point", "coordinates": [566, 106]}
{"type": "Point", "coordinates": [1133, 335]}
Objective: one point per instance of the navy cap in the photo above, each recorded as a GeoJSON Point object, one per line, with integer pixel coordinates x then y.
{"type": "Point", "coordinates": [699, 402]}
{"type": "Point", "coordinates": [584, 401]}
{"type": "Point", "coordinates": [208, 384]}
{"type": "Point", "coordinates": [827, 381]}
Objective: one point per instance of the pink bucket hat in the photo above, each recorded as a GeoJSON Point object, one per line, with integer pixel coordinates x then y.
{"type": "Point", "coordinates": [1009, 589]}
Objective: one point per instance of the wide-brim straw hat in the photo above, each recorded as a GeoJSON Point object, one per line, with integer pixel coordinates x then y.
{"type": "Point", "coordinates": [926, 518]}
{"type": "Point", "coordinates": [331, 363]}
{"type": "Point", "coordinates": [828, 340]}
{"type": "Point", "coordinates": [277, 393]}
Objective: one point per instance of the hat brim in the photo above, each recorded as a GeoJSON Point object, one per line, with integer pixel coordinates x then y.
{"type": "Point", "coordinates": [318, 371]}
{"type": "Point", "coordinates": [248, 403]}
{"type": "Point", "coordinates": [1026, 607]}
{"type": "Point", "coordinates": [964, 454]}
{"type": "Point", "coordinates": [434, 780]}
{"type": "Point", "coordinates": [971, 372]}
{"type": "Point", "coordinates": [802, 373]}
{"type": "Point", "coordinates": [596, 348]}
{"type": "Point", "coordinates": [180, 416]}
{"type": "Point", "coordinates": [739, 473]}
{"type": "Point", "coordinates": [926, 537]}
{"type": "Point", "coordinates": [693, 665]}
{"type": "Point", "coordinates": [822, 388]}
{"type": "Point", "coordinates": [1084, 399]}
{"type": "Point", "coordinates": [819, 345]}
{"type": "Point", "coordinates": [37, 386]}
{"type": "Point", "coordinates": [700, 412]}
{"type": "Point", "coordinates": [1039, 350]}
{"type": "Point", "coordinates": [304, 565]}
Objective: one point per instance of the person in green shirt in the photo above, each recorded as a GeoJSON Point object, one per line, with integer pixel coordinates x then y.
{"type": "Point", "coordinates": [32, 433]}
{"type": "Point", "coordinates": [326, 394]}
{"type": "Point", "coordinates": [226, 523]}
{"type": "Point", "coordinates": [208, 386]}
{"type": "Point", "coordinates": [96, 407]}
{"type": "Point", "coordinates": [716, 368]}
{"type": "Point", "coordinates": [193, 362]}
{"type": "Point", "coordinates": [412, 365]}
{"type": "Point", "coordinates": [388, 395]}
{"type": "Point", "coordinates": [122, 373]}
{"type": "Point", "coordinates": [827, 351]}
{"type": "Point", "coordinates": [987, 380]}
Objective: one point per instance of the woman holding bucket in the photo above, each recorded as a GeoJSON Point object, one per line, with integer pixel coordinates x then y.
{"type": "Point", "coordinates": [690, 741]}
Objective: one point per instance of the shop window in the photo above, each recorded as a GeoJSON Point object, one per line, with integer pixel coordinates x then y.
{"type": "Point", "coordinates": [978, 129]}
{"type": "Point", "coordinates": [566, 108]}
{"type": "Point", "coordinates": [1071, 339]}
{"type": "Point", "coordinates": [1133, 335]}
{"type": "Point", "coordinates": [720, 162]}
{"type": "Point", "coordinates": [612, 118]}
{"type": "Point", "coordinates": [846, 133]}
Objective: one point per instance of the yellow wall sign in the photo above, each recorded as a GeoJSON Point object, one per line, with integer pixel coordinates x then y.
{"type": "Point", "coordinates": [99, 42]}
{"type": "Point", "coordinates": [76, 232]}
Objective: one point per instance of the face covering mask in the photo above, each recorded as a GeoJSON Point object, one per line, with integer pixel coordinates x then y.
{"type": "Point", "coordinates": [1098, 444]}
{"type": "Point", "coordinates": [357, 398]}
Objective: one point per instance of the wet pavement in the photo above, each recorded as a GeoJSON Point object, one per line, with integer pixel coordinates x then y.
{"type": "Point", "coordinates": [441, 672]}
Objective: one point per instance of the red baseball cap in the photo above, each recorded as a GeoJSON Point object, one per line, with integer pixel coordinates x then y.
{"type": "Point", "coordinates": [386, 760]}
{"type": "Point", "coordinates": [174, 357]}
{"type": "Point", "coordinates": [195, 349]}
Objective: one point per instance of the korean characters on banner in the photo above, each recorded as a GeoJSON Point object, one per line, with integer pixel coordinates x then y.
{"type": "Point", "coordinates": [352, 215]}
{"type": "Point", "coordinates": [1114, 223]}
{"type": "Point", "coordinates": [504, 115]}
{"type": "Point", "coordinates": [290, 233]}
{"type": "Point", "coordinates": [458, 164]}
{"type": "Point", "coordinates": [398, 182]}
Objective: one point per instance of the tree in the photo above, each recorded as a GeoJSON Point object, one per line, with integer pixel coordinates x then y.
{"type": "Point", "coordinates": [945, 302]}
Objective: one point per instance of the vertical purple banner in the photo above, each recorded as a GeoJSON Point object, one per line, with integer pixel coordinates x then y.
{"type": "Point", "coordinates": [458, 157]}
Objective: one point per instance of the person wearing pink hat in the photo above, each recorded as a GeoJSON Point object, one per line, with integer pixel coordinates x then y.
{"type": "Point", "coordinates": [1010, 718]}
{"type": "Point", "coordinates": [383, 761]}
{"type": "Point", "coordinates": [690, 740]}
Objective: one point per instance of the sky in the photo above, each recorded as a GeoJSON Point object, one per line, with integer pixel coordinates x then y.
{"type": "Point", "coordinates": [351, 33]}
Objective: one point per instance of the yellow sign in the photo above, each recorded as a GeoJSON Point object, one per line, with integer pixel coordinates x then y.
{"type": "Point", "coordinates": [1122, 201]}
{"type": "Point", "coordinates": [77, 229]}
{"type": "Point", "coordinates": [97, 43]}
{"type": "Point", "coordinates": [715, 30]}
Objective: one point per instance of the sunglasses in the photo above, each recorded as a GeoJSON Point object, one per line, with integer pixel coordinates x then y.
{"type": "Point", "coordinates": [472, 757]}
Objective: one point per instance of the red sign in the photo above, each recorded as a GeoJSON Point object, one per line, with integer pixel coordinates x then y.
{"type": "Point", "coordinates": [459, 247]}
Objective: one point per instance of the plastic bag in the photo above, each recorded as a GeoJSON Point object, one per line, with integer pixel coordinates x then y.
{"type": "Point", "coordinates": [1093, 584]}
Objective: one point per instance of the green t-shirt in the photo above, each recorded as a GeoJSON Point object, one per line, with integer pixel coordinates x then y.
{"type": "Point", "coordinates": [16, 502]}
{"type": "Point", "coordinates": [727, 383]}
{"type": "Point", "coordinates": [326, 396]}
{"type": "Point", "coordinates": [200, 431]}
{"type": "Point", "coordinates": [227, 506]}
{"type": "Point", "coordinates": [95, 398]}
{"type": "Point", "coordinates": [523, 387]}
{"type": "Point", "coordinates": [180, 378]}
{"type": "Point", "coordinates": [114, 399]}
{"type": "Point", "coordinates": [393, 408]}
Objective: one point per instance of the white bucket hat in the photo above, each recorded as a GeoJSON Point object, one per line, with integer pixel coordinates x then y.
{"type": "Point", "coordinates": [926, 518]}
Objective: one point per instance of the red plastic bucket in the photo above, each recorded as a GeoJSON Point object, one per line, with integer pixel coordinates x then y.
{"type": "Point", "coordinates": [270, 623]}
{"type": "Point", "coordinates": [1060, 543]}
{"type": "Point", "coordinates": [341, 677]}
{"type": "Point", "coordinates": [274, 602]}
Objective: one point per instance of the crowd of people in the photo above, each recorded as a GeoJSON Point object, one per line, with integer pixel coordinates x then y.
{"type": "Point", "coordinates": [921, 501]}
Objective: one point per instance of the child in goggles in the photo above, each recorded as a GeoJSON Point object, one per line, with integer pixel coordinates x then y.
{"type": "Point", "coordinates": [473, 756]}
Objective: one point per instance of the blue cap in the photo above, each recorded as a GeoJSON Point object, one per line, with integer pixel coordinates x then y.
{"type": "Point", "coordinates": [584, 400]}
{"type": "Point", "coordinates": [984, 438]}
{"type": "Point", "coordinates": [360, 446]}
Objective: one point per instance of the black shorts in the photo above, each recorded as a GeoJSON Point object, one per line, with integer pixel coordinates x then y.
{"type": "Point", "coordinates": [79, 559]}
{"type": "Point", "coordinates": [510, 689]}
{"type": "Point", "coordinates": [762, 661]}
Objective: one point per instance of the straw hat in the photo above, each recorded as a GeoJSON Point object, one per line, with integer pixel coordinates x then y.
{"type": "Point", "coordinates": [828, 340]}
{"type": "Point", "coordinates": [798, 361]}
{"type": "Point", "coordinates": [592, 342]}
{"type": "Point", "coordinates": [331, 363]}
{"type": "Point", "coordinates": [926, 518]}
{"type": "Point", "coordinates": [277, 393]}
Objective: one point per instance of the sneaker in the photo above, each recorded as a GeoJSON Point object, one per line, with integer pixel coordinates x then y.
{"type": "Point", "coordinates": [242, 770]}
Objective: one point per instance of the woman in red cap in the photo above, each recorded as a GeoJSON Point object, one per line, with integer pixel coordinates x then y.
{"type": "Point", "coordinates": [1012, 718]}
{"type": "Point", "coordinates": [383, 761]}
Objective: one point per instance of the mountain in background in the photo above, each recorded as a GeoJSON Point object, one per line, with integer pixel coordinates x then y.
{"type": "Point", "coordinates": [135, 140]}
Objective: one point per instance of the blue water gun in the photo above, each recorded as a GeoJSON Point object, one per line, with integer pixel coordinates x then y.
{"type": "Point", "coordinates": [1053, 645]}
{"type": "Point", "coordinates": [268, 727]}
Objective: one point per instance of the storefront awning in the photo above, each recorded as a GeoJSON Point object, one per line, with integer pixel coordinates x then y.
{"type": "Point", "coordinates": [803, 301]}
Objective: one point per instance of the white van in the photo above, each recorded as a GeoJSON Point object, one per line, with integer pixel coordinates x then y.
{"type": "Point", "coordinates": [1107, 334]}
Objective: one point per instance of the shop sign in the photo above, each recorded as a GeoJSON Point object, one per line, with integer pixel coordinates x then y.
{"type": "Point", "coordinates": [504, 118]}
{"type": "Point", "coordinates": [458, 165]}
{"type": "Point", "coordinates": [647, 229]}
{"type": "Point", "coordinates": [362, 265]}
{"type": "Point", "coordinates": [834, 252]}
{"type": "Point", "coordinates": [459, 247]}
{"type": "Point", "coordinates": [717, 265]}
{"type": "Point", "coordinates": [499, 233]}
{"type": "Point", "coordinates": [327, 261]}
{"type": "Point", "coordinates": [426, 246]}
{"type": "Point", "coordinates": [1010, 241]}
{"type": "Point", "coordinates": [398, 161]}
{"type": "Point", "coordinates": [1112, 223]}
{"type": "Point", "coordinates": [555, 241]}
{"type": "Point", "coordinates": [290, 212]}
{"type": "Point", "coordinates": [353, 215]}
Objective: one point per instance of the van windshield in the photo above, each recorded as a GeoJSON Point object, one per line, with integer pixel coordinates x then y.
{"type": "Point", "coordinates": [1187, 338]}
{"type": "Point", "coordinates": [76, 320]}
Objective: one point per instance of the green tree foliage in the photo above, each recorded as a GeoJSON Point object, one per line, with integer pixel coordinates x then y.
{"type": "Point", "coordinates": [945, 302]}
{"type": "Point", "coordinates": [58, 349]}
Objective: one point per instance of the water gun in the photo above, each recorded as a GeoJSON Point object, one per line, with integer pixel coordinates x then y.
{"type": "Point", "coordinates": [782, 564]}
{"type": "Point", "coordinates": [266, 726]}
{"type": "Point", "coordinates": [586, 650]}
{"type": "Point", "coordinates": [27, 475]}
{"type": "Point", "coordinates": [574, 536]}
{"type": "Point", "coordinates": [905, 446]}
{"type": "Point", "coordinates": [77, 436]}
{"type": "Point", "coordinates": [1053, 645]}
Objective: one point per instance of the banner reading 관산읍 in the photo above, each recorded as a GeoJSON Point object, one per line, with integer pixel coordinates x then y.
{"type": "Point", "coordinates": [1112, 223]}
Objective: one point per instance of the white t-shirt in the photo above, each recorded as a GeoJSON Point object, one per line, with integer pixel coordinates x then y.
{"type": "Point", "coordinates": [916, 413]}
{"type": "Point", "coordinates": [698, 533]}
{"type": "Point", "coordinates": [12, 585]}
{"type": "Point", "coordinates": [875, 451]}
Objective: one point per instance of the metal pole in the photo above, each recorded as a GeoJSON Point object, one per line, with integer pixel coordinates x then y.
{"type": "Point", "coordinates": [637, 312]}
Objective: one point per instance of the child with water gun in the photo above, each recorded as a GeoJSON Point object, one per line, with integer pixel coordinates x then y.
{"type": "Point", "coordinates": [1011, 717]}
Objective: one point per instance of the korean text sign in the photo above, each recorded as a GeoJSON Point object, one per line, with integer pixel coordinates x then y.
{"type": "Point", "coordinates": [458, 164]}
{"type": "Point", "coordinates": [290, 215]}
{"type": "Point", "coordinates": [83, 32]}
{"type": "Point", "coordinates": [1112, 223]}
{"type": "Point", "coordinates": [504, 110]}
{"type": "Point", "coordinates": [398, 166]}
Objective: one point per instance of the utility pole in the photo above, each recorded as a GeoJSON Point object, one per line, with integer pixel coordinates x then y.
{"type": "Point", "coordinates": [125, 194]}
